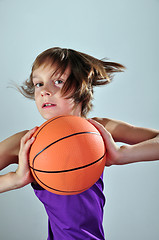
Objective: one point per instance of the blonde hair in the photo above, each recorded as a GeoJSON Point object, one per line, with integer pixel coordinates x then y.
{"type": "Point", "coordinates": [86, 72]}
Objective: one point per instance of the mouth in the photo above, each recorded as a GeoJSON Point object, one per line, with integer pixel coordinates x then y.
{"type": "Point", "coordinates": [48, 105]}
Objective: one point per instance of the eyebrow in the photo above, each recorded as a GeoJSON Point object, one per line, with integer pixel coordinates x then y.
{"type": "Point", "coordinates": [36, 76]}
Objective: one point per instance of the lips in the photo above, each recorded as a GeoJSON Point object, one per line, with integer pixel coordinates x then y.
{"type": "Point", "coordinates": [47, 105]}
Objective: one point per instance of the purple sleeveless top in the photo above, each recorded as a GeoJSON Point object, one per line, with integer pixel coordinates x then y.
{"type": "Point", "coordinates": [74, 217]}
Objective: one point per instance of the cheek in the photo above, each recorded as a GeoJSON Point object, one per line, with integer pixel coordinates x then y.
{"type": "Point", "coordinates": [69, 103]}
{"type": "Point", "coordinates": [37, 102]}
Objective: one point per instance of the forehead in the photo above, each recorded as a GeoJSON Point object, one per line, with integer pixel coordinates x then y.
{"type": "Point", "coordinates": [51, 70]}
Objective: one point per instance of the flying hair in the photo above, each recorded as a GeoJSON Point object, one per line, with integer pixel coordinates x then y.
{"type": "Point", "coordinates": [86, 73]}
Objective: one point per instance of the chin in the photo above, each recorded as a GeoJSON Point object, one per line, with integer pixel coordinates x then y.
{"type": "Point", "coordinates": [49, 116]}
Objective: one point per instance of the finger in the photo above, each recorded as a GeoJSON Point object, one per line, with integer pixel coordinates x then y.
{"type": "Point", "coordinates": [94, 122]}
{"type": "Point", "coordinates": [29, 143]}
{"type": "Point", "coordinates": [24, 150]}
{"type": "Point", "coordinates": [28, 135]}
{"type": "Point", "coordinates": [99, 126]}
{"type": "Point", "coordinates": [107, 137]}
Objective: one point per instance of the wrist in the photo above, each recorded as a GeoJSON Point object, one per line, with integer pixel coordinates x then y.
{"type": "Point", "coordinates": [9, 181]}
{"type": "Point", "coordinates": [15, 180]}
{"type": "Point", "coordinates": [124, 155]}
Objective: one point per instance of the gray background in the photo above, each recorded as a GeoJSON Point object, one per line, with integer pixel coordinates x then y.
{"type": "Point", "coordinates": [124, 31]}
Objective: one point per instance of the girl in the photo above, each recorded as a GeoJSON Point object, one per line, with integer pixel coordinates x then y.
{"type": "Point", "coordinates": [61, 83]}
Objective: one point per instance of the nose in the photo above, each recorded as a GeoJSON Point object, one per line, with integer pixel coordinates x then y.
{"type": "Point", "coordinates": [46, 92]}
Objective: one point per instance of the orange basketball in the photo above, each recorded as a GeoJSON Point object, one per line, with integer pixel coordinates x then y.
{"type": "Point", "coordinates": [67, 156]}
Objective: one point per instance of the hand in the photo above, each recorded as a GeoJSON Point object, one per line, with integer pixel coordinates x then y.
{"type": "Point", "coordinates": [23, 171]}
{"type": "Point", "coordinates": [112, 150]}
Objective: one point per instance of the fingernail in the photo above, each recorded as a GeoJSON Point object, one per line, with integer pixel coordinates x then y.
{"type": "Point", "coordinates": [34, 128]}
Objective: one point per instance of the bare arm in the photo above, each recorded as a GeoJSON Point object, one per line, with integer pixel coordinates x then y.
{"type": "Point", "coordinates": [9, 149]}
{"type": "Point", "coordinates": [15, 150]}
{"type": "Point", "coordinates": [143, 142]}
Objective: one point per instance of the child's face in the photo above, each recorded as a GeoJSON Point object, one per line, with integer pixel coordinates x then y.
{"type": "Point", "coordinates": [48, 97]}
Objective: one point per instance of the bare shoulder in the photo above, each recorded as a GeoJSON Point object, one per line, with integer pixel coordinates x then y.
{"type": "Point", "coordinates": [14, 138]}
{"type": "Point", "coordinates": [109, 124]}
{"type": "Point", "coordinates": [125, 132]}
{"type": "Point", "coordinates": [9, 149]}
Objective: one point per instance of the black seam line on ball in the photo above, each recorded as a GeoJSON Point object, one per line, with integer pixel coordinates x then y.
{"type": "Point", "coordinates": [74, 134]}
{"type": "Point", "coordinates": [51, 120]}
{"type": "Point", "coordinates": [70, 170]}
{"type": "Point", "coordinates": [59, 190]}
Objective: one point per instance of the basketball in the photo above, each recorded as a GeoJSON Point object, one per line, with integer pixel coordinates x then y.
{"type": "Point", "coordinates": [67, 156]}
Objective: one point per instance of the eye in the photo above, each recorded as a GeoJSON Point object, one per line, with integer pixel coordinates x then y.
{"type": "Point", "coordinates": [57, 82]}
{"type": "Point", "coordinates": [38, 85]}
